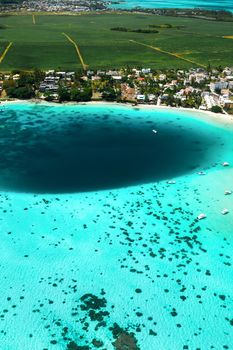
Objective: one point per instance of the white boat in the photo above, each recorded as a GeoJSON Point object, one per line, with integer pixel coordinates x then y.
{"type": "Point", "coordinates": [201, 216]}
{"type": "Point", "coordinates": [201, 173]}
{"type": "Point", "coordinates": [225, 164]}
{"type": "Point", "coordinates": [154, 131]}
{"type": "Point", "coordinates": [171, 182]}
{"type": "Point", "coordinates": [227, 193]}
{"type": "Point", "coordinates": [225, 211]}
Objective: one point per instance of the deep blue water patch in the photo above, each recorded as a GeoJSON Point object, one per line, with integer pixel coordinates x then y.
{"type": "Point", "coordinates": [71, 149]}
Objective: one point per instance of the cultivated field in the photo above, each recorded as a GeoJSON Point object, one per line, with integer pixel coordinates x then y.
{"type": "Point", "coordinates": [72, 42]}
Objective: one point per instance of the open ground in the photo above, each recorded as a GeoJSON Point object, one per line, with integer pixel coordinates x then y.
{"type": "Point", "coordinates": [71, 42]}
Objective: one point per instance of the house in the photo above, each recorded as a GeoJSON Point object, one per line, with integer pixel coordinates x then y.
{"type": "Point", "coordinates": [219, 85]}
{"type": "Point", "coordinates": [228, 104]}
{"type": "Point", "coordinates": [151, 98]}
{"type": "Point", "coordinates": [46, 87]}
{"type": "Point", "coordinates": [95, 77]}
{"type": "Point", "coordinates": [146, 70]}
{"type": "Point", "coordinates": [116, 77]}
{"type": "Point", "coordinates": [162, 77]}
{"type": "Point", "coordinates": [127, 93]}
{"type": "Point", "coordinates": [141, 98]}
{"type": "Point", "coordinates": [16, 77]}
{"type": "Point", "coordinates": [61, 74]}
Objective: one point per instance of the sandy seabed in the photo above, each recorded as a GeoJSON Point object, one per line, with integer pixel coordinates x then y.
{"type": "Point", "coordinates": [129, 263]}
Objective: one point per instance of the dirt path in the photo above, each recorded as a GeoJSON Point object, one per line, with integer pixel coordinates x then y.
{"type": "Point", "coordinates": [77, 50]}
{"type": "Point", "coordinates": [5, 52]}
{"type": "Point", "coordinates": [169, 53]}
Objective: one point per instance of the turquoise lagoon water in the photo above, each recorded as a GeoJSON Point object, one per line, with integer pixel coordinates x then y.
{"type": "Point", "coordinates": [96, 266]}
{"type": "Point", "coordinates": [226, 5]}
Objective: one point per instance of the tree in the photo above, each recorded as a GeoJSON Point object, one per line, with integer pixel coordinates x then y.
{"type": "Point", "coordinates": [21, 92]}
{"type": "Point", "coordinates": [86, 94]}
{"type": "Point", "coordinates": [216, 109]}
{"type": "Point", "coordinates": [63, 94]}
{"type": "Point", "coordinates": [39, 75]}
{"type": "Point", "coordinates": [81, 95]}
{"type": "Point", "coordinates": [49, 98]}
{"type": "Point", "coordinates": [208, 68]}
{"type": "Point", "coordinates": [26, 79]}
{"type": "Point", "coordinates": [109, 94]}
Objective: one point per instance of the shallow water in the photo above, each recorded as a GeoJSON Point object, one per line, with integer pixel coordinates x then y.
{"type": "Point", "coordinates": [75, 265]}
{"type": "Point", "coordinates": [210, 5]}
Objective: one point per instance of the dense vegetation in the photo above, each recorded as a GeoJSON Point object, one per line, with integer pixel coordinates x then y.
{"type": "Point", "coordinates": [165, 26]}
{"type": "Point", "coordinates": [24, 87]}
{"type": "Point", "coordinates": [29, 82]}
{"type": "Point", "coordinates": [42, 45]}
{"type": "Point", "coordinates": [75, 94]}
{"type": "Point", "coordinates": [8, 2]}
{"type": "Point", "coordinates": [216, 109]}
{"type": "Point", "coordinates": [144, 31]}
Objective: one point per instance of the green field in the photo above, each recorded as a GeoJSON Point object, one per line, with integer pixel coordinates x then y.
{"type": "Point", "coordinates": [42, 44]}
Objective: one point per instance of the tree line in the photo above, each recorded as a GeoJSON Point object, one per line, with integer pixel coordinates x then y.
{"type": "Point", "coordinates": [144, 31]}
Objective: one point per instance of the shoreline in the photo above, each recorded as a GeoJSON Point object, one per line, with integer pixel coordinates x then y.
{"type": "Point", "coordinates": [117, 9]}
{"type": "Point", "coordinates": [225, 120]}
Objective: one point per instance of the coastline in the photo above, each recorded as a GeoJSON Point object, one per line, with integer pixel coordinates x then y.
{"type": "Point", "coordinates": [225, 120]}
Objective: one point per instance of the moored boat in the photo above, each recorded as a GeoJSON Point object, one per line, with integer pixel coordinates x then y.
{"type": "Point", "coordinates": [201, 216]}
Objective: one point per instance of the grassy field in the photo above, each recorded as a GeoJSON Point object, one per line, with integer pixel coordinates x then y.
{"type": "Point", "coordinates": [39, 41]}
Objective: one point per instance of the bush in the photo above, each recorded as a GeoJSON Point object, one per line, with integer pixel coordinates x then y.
{"type": "Point", "coordinates": [64, 94]}
{"type": "Point", "coordinates": [120, 29]}
{"type": "Point", "coordinates": [22, 92]}
{"type": "Point", "coordinates": [216, 109]}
